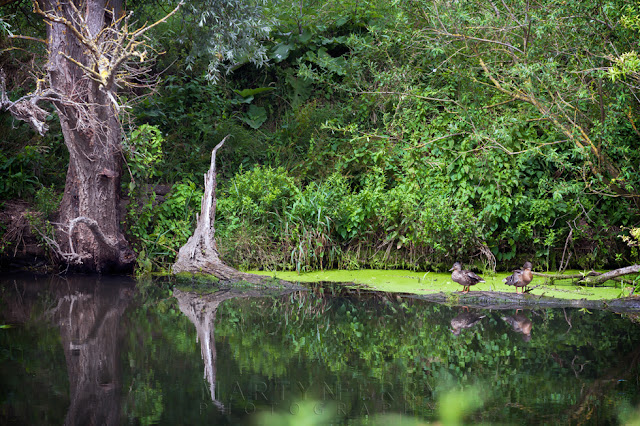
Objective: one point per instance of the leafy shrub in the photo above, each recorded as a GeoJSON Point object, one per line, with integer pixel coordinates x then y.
{"type": "Point", "coordinates": [144, 152]}
{"type": "Point", "coordinates": [47, 200]}
{"type": "Point", "coordinates": [19, 178]}
{"type": "Point", "coordinates": [260, 195]}
{"type": "Point", "coordinates": [329, 224]}
{"type": "Point", "coordinates": [160, 227]}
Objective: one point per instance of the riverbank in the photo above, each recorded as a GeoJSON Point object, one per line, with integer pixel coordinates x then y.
{"type": "Point", "coordinates": [431, 283]}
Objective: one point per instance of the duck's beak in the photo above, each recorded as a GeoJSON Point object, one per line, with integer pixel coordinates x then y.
{"type": "Point", "coordinates": [451, 269]}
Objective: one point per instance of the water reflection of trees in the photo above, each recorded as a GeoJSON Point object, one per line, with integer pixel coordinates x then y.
{"type": "Point", "coordinates": [364, 352]}
{"type": "Point", "coordinates": [87, 312]}
{"type": "Point", "coordinates": [409, 344]}
{"type": "Point", "coordinates": [201, 311]}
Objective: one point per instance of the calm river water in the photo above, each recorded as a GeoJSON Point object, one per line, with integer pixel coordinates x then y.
{"type": "Point", "coordinates": [101, 350]}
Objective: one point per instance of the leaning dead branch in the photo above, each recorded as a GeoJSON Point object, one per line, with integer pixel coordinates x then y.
{"type": "Point", "coordinates": [593, 277]}
{"type": "Point", "coordinates": [601, 278]}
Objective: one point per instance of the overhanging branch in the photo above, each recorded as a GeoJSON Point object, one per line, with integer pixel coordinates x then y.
{"type": "Point", "coordinates": [26, 108]}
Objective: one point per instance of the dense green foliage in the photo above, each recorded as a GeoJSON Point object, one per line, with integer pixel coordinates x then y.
{"type": "Point", "coordinates": [391, 135]}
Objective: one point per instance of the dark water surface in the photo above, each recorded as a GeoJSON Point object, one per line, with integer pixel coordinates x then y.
{"type": "Point", "coordinates": [98, 350]}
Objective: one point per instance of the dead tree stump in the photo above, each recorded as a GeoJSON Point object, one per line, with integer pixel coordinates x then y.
{"type": "Point", "coordinates": [200, 253]}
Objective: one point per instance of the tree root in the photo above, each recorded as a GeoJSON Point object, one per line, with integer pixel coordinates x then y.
{"type": "Point", "coordinates": [72, 257]}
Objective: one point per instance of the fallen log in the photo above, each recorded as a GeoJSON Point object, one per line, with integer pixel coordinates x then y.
{"type": "Point", "coordinates": [600, 278]}
{"type": "Point", "coordinates": [593, 277]}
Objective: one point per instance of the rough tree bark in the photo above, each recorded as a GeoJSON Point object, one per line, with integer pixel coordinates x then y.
{"type": "Point", "coordinates": [89, 42]}
{"type": "Point", "coordinates": [92, 135]}
{"type": "Point", "coordinates": [200, 253]}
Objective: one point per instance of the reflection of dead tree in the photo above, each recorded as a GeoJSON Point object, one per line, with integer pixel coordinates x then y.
{"type": "Point", "coordinates": [201, 311]}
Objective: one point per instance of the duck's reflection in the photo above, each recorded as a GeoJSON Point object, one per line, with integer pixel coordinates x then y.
{"type": "Point", "coordinates": [465, 319]}
{"type": "Point", "coordinates": [520, 324]}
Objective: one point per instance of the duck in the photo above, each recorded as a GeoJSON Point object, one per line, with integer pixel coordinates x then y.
{"type": "Point", "coordinates": [464, 278]}
{"type": "Point", "coordinates": [520, 277]}
{"type": "Point", "coordinates": [464, 320]}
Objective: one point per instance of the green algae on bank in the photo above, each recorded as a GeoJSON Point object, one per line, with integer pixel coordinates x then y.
{"type": "Point", "coordinates": [400, 281]}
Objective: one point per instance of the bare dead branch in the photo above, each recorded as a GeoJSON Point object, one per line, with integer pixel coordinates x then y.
{"type": "Point", "coordinates": [22, 37]}
{"type": "Point", "coordinates": [563, 265]}
{"type": "Point", "coordinates": [24, 109]}
{"type": "Point", "coordinates": [107, 54]}
{"type": "Point", "coordinates": [601, 278]}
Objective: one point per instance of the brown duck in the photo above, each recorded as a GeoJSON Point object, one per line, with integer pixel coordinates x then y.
{"type": "Point", "coordinates": [464, 278]}
{"type": "Point", "coordinates": [520, 277]}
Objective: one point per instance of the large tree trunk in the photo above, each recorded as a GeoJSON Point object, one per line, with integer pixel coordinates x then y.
{"type": "Point", "coordinates": [91, 47]}
{"type": "Point", "coordinates": [92, 134]}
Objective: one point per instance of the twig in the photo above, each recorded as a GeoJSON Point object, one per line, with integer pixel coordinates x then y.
{"type": "Point", "coordinates": [567, 320]}
{"type": "Point", "coordinates": [563, 265]}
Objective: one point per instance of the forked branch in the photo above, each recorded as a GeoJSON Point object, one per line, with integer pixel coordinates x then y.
{"type": "Point", "coordinates": [107, 54]}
